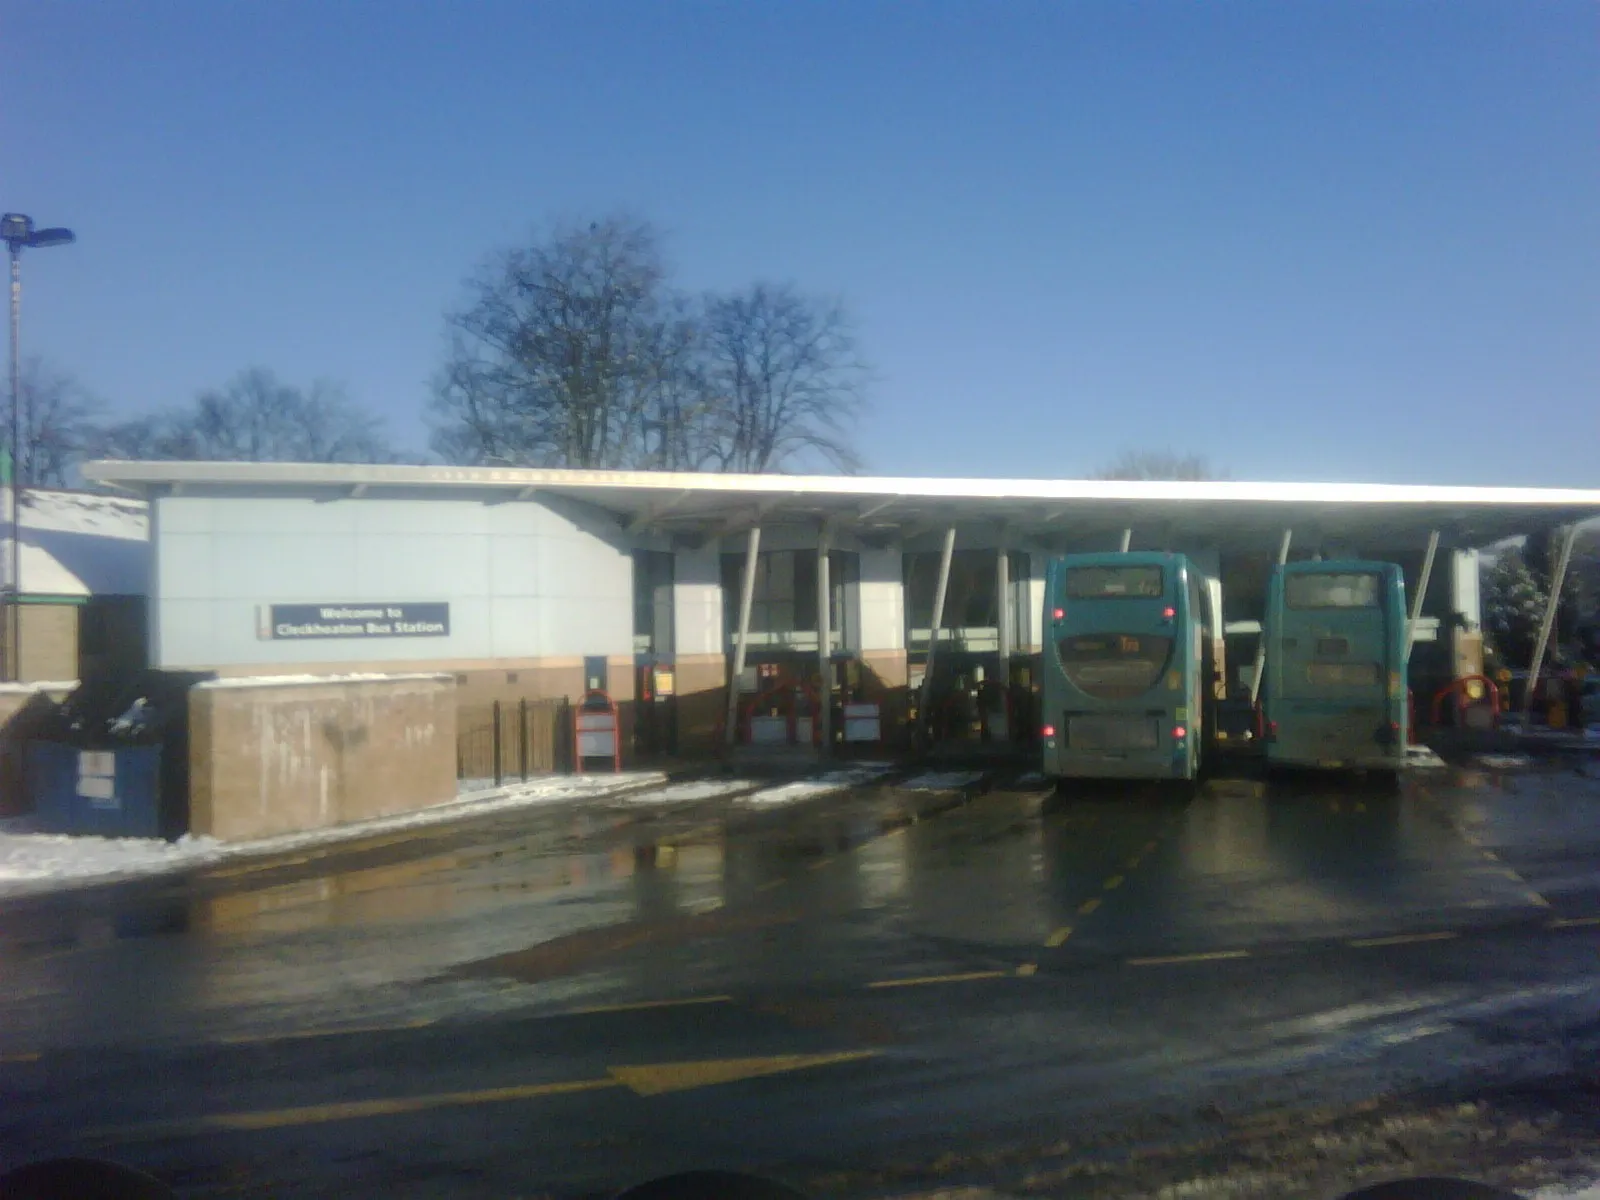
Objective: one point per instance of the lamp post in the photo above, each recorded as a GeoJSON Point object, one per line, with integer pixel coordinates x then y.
{"type": "Point", "coordinates": [18, 232]}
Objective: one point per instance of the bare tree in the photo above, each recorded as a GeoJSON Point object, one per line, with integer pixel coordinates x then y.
{"type": "Point", "coordinates": [1158, 464]}
{"type": "Point", "coordinates": [558, 357]}
{"type": "Point", "coordinates": [255, 418]}
{"type": "Point", "coordinates": [783, 379]}
{"type": "Point", "coordinates": [57, 425]}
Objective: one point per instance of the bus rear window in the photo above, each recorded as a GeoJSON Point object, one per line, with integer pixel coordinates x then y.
{"type": "Point", "coordinates": [1114, 583]}
{"type": "Point", "coordinates": [1355, 590]}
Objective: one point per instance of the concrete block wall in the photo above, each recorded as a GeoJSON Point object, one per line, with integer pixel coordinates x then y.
{"type": "Point", "coordinates": [283, 757]}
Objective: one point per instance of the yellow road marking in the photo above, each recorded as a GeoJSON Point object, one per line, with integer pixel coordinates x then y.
{"type": "Point", "coordinates": [1574, 922]}
{"type": "Point", "coordinates": [247, 1039]}
{"type": "Point", "coordinates": [770, 884]}
{"type": "Point", "coordinates": [1089, 905]}
{"type": "Point", "coordinates": [660, 1078]}
{"type": "Point", "coordinates": [18, 1058]}
{"type": "Point", "coordinates": [1536, 898]}
{"type": "Point", "coordinates": [649, 1080]}
{"type": "Point", "coordinates": [1173, 959]}
{"type": "Point", "coordinates": [1491, 856]}
{"type": "Point", "coordinates": [1401, 939]}
{"type": "Point", "coordinates": [640, 1005]}
{"type": "Point", "coordinates": [819, 864]}
{"type": "Point", "coordinates": [1059, 937]}
{"type": "Point", "coordinates": [1113, 883]}
{"type": "Point", "coordinates": [1027, 969]}
{"type": "Point", "coordinates": [921, 980]}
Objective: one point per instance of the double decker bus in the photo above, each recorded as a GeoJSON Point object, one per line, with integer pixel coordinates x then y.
{"type": "Point", "coordinates": [1335, 692]}
{"type": "Point", "coordinates": [1128, 667]}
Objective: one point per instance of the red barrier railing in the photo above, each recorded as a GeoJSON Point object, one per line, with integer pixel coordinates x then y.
{"type": "Point", "coordinates": [1458, 688]}
{"type": "Point", "coordinates": [596, 730]}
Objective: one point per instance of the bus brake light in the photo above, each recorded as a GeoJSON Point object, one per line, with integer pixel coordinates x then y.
{"type": "Point", "coordinates": [1059, 614]}
{"type": "Point", "coordinates": [1168, 613]}
{"type": "Point", "coordinates": [1048, 731]}
{"type": "Point", "coordinates": [1179, 733]}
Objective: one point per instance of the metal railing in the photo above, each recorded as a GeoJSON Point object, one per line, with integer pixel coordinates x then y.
{"type": "Point", "coordinates": [514, 739]}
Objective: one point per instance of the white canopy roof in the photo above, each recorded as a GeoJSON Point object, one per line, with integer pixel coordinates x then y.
{"type": "Point", "coordinates": [1376, 515]}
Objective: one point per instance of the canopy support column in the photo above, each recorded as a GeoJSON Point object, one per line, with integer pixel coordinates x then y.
{"type": "Point", "coordinates": [1261, 642]}
{"type": "Point", "coordinates": [1545, 626]}
{"type": "Point", "coordinates": [747, 596]}
{"type": "Point", "coordinates": [939, 591]}
{"type": "Point", "coordinates": [1422, 591]}
{"type": "Point", "coordinates": [1002, 587]}
{"type": "Point", "coordinates": [824, 714]}
{"type": "Point", "coordinates": [1127, 540]}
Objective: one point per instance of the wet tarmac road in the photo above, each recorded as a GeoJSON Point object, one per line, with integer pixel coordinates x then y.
{"type": "Point", "coordinates": [571, 1000]}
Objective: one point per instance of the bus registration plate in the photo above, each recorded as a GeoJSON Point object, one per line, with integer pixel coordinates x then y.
{"type": "Point", "coordinates": [1112, 733]}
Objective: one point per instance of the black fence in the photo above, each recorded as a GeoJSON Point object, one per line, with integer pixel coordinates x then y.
{"type": "Point", "coordinates": [514, 739]}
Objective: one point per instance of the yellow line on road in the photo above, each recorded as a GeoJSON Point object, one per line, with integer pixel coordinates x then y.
{"type": "Point", "coordinates": [640, 1005]}
{"type": "Point", "coordinates": [1491, 856]}
{"type": "Point", "coordinates": [1536, 898]}
{"type": "Point", "coordinates": [1174, 959]}
{"type": "Point", "coordinates": [18, 1058]}
{"type": "Point", "coordinates": [1059, 937]}
{"type": "Point", "coordinates": [1026, 969]}
{"type": "Point", "coordinates": [1402, 939]}
{"type": "Point", "coordinates": [296, 1035]}
{"type": "Point", "coordinates": [1113, 883]}
{"type": "Point", "coordinates": [770, 884]}
{"type": "Point", "coordinates": [819, 864]}
{"type": "Point", "coordinates": [1089, 905]}
{"type": "Point", "coordinates": [1574, 922]}
{"type": "Point", "coordinates": [920, 981]}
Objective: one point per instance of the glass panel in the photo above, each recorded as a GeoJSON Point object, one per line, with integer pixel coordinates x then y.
{"type": "Point", "coordinates": [1114, 666]}
{"type": "Point", "coordinates": [1108, 583]}
{"type": "Point", "coordinates": [1357, 589]}
{"type": "Point", "coordinates": [1343, 674]}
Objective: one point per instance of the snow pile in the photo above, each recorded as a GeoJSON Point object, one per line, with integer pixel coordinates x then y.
{"type": "Point", "coordinates": [822, 785]}
{"type": "Point", "coordinates": [1423, 758]}
{"type": "Point", "coordinates": [33, 862]}
{"type": "Point", "coordinates": [1502, 761]}
{"type": "Point", "coordinates": [695, 789]}
{"type": "Point", "coordinates": [1592, 1192]}
{"type": "Point", "coordinates": [941, 781]}
{"type": "Point", "coordinates": [43, 685]}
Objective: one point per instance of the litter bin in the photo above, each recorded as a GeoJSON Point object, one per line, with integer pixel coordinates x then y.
{"type": "Point", "coordinates": [113, 758]}
{"type": "Point", "coordinates": [104, 793]}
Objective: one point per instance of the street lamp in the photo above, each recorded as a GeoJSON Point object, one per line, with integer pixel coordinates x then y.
{"type": "Point", "coordinates": [18, 232]}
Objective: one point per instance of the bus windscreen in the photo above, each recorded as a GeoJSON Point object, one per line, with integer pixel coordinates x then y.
{"type": "Point", "coordinates": [1114, 583]}
{"type": "Point", "coordinates": [1357, 589]}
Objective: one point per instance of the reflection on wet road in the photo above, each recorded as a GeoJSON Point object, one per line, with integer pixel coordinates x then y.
{"type": "Point", "coordinates": [997, 948]}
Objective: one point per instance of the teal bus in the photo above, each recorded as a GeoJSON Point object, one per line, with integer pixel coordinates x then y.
{"type": "Point", "coordinates": [1335, 694]}
{"type": "Point", "coordinates": [1128, 667]}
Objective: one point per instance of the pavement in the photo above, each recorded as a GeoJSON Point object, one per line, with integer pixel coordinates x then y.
{"type": "Point", "coordinates": [963, 981]}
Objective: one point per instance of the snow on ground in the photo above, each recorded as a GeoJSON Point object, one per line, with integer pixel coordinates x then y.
{"type": "Point", "coordinates": [822, 785]}
{"type": "Point", "coordinates": [37, 862]}
{"type": "Point", "coordinates": [1423, 758]}
{"type": "Point", "coordinates": [1501, 761]}
{"type": "Point", "coordinates": [1592, 1192]}
{"type": "Point", "coordinates": [941, 781]}
{"type": "Point", "coordinates": [694, 789]}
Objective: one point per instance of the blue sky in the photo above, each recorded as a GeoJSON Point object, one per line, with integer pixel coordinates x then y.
{"type": "Point", "coordinates": [1330, 241]}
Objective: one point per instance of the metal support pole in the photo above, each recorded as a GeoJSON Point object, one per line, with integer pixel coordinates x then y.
{"type": "Point", "coordinates": [11, 650]}
{"type": "Point", "coordinates": [825, 641]}
{"type": "Point", "coordinates": [1557, 582]}
{"type": "Point", "coordinates": [1002, 587]}
{"type": "Point", "coordinates": [1127, 540]}
{"type": "Point", "coordinates": [1422, 591]}
{"type": "Point", "coordinates": [747, 596]}
{"type": "Point", "coordinates": [1261, 642]}
{"type": "Point", "coordinates": [939, 591]}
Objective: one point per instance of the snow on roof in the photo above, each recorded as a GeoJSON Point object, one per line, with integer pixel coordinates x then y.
{"type": "Point", "coordinates": [78, 544]}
